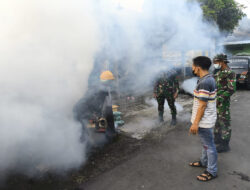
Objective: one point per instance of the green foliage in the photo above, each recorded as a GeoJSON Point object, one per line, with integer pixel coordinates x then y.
{"type": "Point", "coordinates": [225, 13]}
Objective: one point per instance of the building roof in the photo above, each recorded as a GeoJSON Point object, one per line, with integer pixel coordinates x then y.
{"type": "Point", "coordinates": [228, 43]}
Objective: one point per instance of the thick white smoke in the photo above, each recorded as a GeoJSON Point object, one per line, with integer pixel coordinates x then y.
{"type": "Point", "coordinates": [189, 85]}
{"type": "Point", "coordinates": [134, 38]}
{"type": "Point", "coordinates": [244, 25]}
{"type": "Point", "coordinates": [47, 50]}
{"type": "Point", "coordinates": [46, 55]}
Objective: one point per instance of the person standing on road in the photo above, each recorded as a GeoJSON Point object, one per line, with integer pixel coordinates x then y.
{"type": "Point", "coordinates": [204, 117]}
{"type": "Point", "coordinates": [167, 87]}
{"type": "Point", "coordinates": [226, 84]}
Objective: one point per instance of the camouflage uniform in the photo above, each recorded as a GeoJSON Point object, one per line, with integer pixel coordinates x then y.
{"type": "Point", "coordinates": [165, 88]}
{"type": "Point", "coordinates": [226, 86]}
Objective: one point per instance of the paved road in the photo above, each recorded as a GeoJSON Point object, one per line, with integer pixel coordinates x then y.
{"type": "Point", "coordinates": [165, 165]}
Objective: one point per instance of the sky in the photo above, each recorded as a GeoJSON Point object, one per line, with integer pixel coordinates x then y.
{"type": "Point", "coordinates": [246, 3]}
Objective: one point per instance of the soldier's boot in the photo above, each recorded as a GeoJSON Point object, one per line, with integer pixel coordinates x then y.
{"type": "Point", "coordinates": [174, 121]}
{"type": "Point", "coordinates": [223, 147]}
{"type": "Point", "coordinates": [160, 119]}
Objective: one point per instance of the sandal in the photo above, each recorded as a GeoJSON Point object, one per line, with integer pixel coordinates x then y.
{"type": "Point", "coordinates": [206, 176]}
{"type": "Point", "coordinates": [197, 164]}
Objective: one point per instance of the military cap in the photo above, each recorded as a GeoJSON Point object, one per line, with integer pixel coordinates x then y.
{"type": "Point", "coordinates": [221, 57]}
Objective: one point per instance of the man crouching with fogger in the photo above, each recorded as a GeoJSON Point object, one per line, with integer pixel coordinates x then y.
{"type": "Point", "coordinates": [96, 106]}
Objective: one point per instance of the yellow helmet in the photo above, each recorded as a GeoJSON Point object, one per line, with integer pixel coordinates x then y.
{"type": "Point", "coordinates": [106, 75]}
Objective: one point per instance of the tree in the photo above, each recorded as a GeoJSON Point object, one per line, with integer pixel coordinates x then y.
{"type": "Point", "coordinates": [225, 13]}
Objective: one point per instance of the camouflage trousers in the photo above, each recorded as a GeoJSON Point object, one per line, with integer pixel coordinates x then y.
{"type": "Point", "coordinates": [161, 101]}
{"type": "Point", "coordinates": [222, 128]}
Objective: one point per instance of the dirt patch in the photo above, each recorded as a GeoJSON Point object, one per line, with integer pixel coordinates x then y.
{"type": "Point", "coordinates": [242, 176]}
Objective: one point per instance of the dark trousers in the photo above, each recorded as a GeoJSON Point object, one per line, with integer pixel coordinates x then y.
{"type": "Point", "coordinates": [171, 103]}
{"type": "Point", "coordinates": [110, 131]}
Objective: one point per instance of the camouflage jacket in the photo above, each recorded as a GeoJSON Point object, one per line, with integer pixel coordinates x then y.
{"type": "Point", "coordinates": [226, 84]}
{"type": "Point", "coordinates": [166, 85]}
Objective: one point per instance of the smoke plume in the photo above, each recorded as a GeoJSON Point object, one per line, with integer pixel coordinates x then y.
{"type": "Point", "coordinates": [244, 26]}
{"type": "Point", "coordinates": [242, 32]}
{"type": "Point", "coordinates": [189, 85]}
{"type": "Point", "coordinates": [156, 36]}
{"type": "Point", "coordinates": [47, 50]}
{"type": "Point", "coordinates": [52, 51]}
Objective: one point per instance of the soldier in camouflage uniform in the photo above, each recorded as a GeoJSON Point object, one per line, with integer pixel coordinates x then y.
{"type": "Point", "coordinates": [166, 87]}
{"type": "Point", "coordinates": [226, 86]}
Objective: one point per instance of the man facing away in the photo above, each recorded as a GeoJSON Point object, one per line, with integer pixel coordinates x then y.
{"type": "Point", "coordinates": [98, 101]}
{"type": "Point", "coordinates": [204, 117]}
{"type": "Point", "coordinates": [167, 87]}
{"type": "Point", "coordinates": [226, 85]}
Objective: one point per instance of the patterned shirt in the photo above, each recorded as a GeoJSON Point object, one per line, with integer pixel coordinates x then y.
{"type": "Point", "coordinates": [226, 85]}
{"type": "Point", "coordinates": [167, 84]}
{"type": "Point", "coordinates": [206, 91]}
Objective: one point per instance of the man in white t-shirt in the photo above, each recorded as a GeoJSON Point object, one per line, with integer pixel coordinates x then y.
{"type": "Point", "coordinates": [204, 117]}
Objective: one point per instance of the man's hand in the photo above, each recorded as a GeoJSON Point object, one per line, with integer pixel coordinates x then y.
{"type": "Point", "coordinates": [155, 95]}
{"type": "Point", "coordinates": [194, 129]}
{"type": "Point", "coordinates": [176, 95]}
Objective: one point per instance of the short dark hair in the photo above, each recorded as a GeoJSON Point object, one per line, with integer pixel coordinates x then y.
{"type": "Point", "coordinates": [203, 62]}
